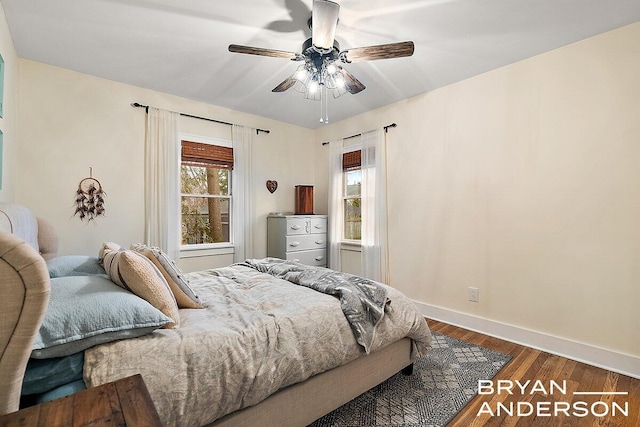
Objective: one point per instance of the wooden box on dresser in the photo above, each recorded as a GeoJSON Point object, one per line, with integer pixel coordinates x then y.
{"type": "Point", "coordinates": [301, 238]}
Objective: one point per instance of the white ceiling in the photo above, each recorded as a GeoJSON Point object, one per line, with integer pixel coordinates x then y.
{"type": "Point", "coordinates": [180, 46]}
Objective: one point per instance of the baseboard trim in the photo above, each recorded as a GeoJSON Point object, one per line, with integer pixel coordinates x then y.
{"type": "Point", "coordinates": [602, 358]}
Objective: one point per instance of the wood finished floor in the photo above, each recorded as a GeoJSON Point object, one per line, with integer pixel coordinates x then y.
{"type": "Point", "coordinates": [531, 364]}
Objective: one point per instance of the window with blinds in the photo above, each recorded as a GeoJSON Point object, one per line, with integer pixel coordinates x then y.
{"type": "Point", "coordinates": [206, 155]}
{"type": "Point", "coordinates": [352, 196]}
{"type": "Point", "coordinates": [351, 160]}
{"type": "Point", "coordinates": [205, 179]}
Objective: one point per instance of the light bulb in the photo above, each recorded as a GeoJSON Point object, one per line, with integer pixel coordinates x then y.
{"type": "Point", "coordinates": [340, 81]}
{"type": "Point", "coordinates": [301, 74]}
{"type": "Point", "coordinates": [313, 86]}
{"type": "Point", "coordinates": [331, 68]}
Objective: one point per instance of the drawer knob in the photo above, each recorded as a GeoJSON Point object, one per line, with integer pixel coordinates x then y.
{"type": "Point", "coordinates": [319, 242]}
{"type": "Point", "coordinates": [295, 227]}
{"type": "Point", "coordinates": [319, 258]}
{"type": "Point", "coordinates": [319, 226]}
{"type": "Point", "coordinates": [294, 244]}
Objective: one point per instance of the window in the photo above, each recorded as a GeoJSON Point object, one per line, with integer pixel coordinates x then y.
{"type": "Point", "coordinates": [205, 179]}
{"type": "Point", "coordinates": [352, 200]}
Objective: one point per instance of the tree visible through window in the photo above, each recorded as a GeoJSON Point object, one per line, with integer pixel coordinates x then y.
{"type": "Point", "coordinates": [205, 177]}
{"type": "Point", "coordinates": [352, 198]}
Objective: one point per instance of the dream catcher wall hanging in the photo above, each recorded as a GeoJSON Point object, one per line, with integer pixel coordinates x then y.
{"type": "Point", "coordinates": [89, 198]}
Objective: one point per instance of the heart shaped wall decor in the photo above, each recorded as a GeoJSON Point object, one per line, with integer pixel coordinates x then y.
{"type": "Point", "coordinates": [272, 185]}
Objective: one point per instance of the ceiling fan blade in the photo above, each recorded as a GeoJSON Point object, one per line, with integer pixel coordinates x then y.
{"type": "Point", "coordinates": [382, 51]}
{"type": "Point", "coordinates": [249, 50]}
{"type": "Point", "coordinates": [352, 84]}
{"type": "Point", "coordinates": [285, 85]}
{"type": "Point", "coordinates": [324, 20]}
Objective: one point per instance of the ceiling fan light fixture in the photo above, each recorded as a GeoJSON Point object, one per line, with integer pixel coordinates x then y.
{"type": "Point", "coordinates": [313, 95]}
{"type": "Point", "coordinates": [321, 73]}
{"type": "Point", "coordinates": [338, 90]}
{"type": "Point", "coordinates": [303, 77]}
{"type": "Point", "coordinates": [302, 73]}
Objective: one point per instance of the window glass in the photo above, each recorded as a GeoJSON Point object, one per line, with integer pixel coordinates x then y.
{"type": "Point", "coordinates": [204, 220]}
{"type": "Point", "coordinates": [204, 180]}
{"type": "Point", "coordinates": [352, 205]}
{"type": "Point", "coordinates": [354, 182]}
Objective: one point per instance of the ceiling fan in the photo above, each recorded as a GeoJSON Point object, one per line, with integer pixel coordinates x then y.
{"type": "Point", "coordinates": [322, 72]}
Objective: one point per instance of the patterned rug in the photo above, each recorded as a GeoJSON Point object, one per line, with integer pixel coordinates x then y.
{"type": "Point", "coordinates": [442, 383]}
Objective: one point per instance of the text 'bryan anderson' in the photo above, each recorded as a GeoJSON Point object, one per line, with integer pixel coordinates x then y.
{"type": "Point", "coordinates": [603, 407]}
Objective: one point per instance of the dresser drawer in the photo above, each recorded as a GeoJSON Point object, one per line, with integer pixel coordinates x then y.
{"type": "Point", "coordinates": [317, 257]}
{"type": "Point", "coordinates": [297, 226]}
{"type": "Point", "coordinates": [306, 242]}
{"type": "Point", "coordinates": [318, 225]}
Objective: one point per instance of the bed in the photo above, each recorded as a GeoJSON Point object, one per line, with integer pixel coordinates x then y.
{"type": "Point", "coordinates": [268, 349]}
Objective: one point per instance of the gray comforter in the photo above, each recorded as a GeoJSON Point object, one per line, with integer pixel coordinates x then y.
{"type": "Point", "coordinates": [362, 300]}
{"type": "Point", "coordinates": [257, 335]}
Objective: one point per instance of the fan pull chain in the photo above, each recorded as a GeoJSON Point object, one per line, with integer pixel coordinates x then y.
{"type": "Point", "coordinates": [324, 107]}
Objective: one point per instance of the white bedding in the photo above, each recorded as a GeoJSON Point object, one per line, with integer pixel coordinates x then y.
{"type": "Point", "coordinates": [257, 335]}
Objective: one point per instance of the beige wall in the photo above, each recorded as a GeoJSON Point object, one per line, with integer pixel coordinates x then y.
{"type": "Point", "coordinates": [525, 183]}
{"type": "Point", "coordinates": [69, 122]}
{"type": "Point", "coordinates": [9, 117]}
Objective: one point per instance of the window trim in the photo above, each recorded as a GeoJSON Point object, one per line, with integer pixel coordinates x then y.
{"type": "Point", "coordinates": [221, 246]}
{"type": "Point", "coordinates": [206, 249]}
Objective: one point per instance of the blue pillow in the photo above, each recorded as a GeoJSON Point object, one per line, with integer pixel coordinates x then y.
{"type": "Point", "coordinates": [85, 311]}
{"type": "Point", "coordinates": [62, 391]}
{"type": "Point", "coordinates": [43, 375]}
{"type": "Point", "coordinates": [74, 265]}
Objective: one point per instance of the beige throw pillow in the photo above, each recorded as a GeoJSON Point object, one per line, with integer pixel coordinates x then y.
{"type": "Point", "coordinates": [134, 272]}
{"type": "Point", "coordinates": [185, 296]}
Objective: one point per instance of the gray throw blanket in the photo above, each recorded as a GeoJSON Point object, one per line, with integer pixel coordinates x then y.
{"type": "Point", "coordinates": [362, 300]}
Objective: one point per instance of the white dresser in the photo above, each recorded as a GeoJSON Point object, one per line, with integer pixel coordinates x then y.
{"type": "Point", "coordinates": [301, 238]}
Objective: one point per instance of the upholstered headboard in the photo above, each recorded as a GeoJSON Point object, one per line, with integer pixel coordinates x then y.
{"type": "Point", "coordinates": [21, 222]}
{"type": "Point", "coordinates": [24, 294]}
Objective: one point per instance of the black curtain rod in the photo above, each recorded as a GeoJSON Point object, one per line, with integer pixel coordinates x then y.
{"type": "Point", "coordinates": [386, 129]}
{"type": "Point", "coordinates": [146, 108]}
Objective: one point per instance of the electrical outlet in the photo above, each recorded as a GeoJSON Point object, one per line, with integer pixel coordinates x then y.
{"type": "Point", "coordinates": [474, 294]}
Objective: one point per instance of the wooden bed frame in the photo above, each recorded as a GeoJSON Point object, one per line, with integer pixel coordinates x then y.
{"type": "Point", "coordinates": [24, 293]}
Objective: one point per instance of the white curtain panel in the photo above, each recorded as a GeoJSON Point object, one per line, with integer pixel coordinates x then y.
{"type": "Point", "coordinates": [242, 197]}
{"type": "Point", "coordinates": [162, 181]}
{"type": "Point", "coordinates": [375, 260]}
{"type": "Point", "coordinates": [336, 223]}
